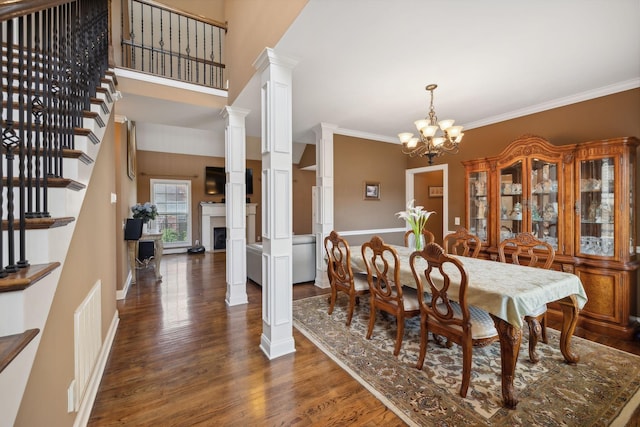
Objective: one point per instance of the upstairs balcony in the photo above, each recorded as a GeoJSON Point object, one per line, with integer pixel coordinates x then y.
{"type": "Point", "coordinates": [171, 43]}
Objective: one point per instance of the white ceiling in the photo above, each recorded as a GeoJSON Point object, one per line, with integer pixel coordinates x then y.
{"type": "Point", "coordinates": [362, 65]}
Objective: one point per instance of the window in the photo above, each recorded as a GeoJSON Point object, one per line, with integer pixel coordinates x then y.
{"type": "Point", "coordinates": [173, 200]}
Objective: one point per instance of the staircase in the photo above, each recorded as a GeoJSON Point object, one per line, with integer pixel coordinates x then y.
{"type": "Point", "coordinates": [57, 98]}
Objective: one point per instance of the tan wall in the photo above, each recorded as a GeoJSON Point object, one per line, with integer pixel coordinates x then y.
{"type": "Point", "coordinates": [210, 9]}
{"type": "Point", "coordinates": [302, 195]}
{"type": "Point", "coordinates": [357, 161]}
{"type": "Point", "coordinates": [252, 26]}
{"type": "Point", "coordinates": [91, 257]}
{"type": "Point", "coordinates": [126, 193]}
{"type": "Point", "coordinates": [421, 184]}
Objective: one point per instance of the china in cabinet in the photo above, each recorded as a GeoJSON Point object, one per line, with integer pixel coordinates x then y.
{"type": "Point", "coordinates": [579, 198]}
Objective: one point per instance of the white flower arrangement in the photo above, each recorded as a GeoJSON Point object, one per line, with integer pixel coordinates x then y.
{"type": "Point", "coordinates": [146, 211]}
{"type": "Point", "coordinates": [417, 218]}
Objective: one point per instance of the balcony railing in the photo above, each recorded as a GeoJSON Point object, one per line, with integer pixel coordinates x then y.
{"type": "Point", "coordinates": [166, 42]}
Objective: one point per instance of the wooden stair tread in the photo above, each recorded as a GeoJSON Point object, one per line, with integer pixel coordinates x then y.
{"type": "Point", "coordinates": [12, 345]}
{"type": "Point", "coordinates": [40, 223]}
{"type": "Point", "coordinates": [52, 182]}
{"type": "Point", "coordinates": [25, 277]}
{"type": "Point", "coordinates": [67, 153]}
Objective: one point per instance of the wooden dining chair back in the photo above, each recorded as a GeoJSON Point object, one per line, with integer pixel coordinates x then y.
{"type": "Point", "coordinates": [526, 249]}
{"type": "Point", "coordinates": [341, 277]}
{"type": "Point", "coordinates": [462, 242]}
{"type": "Point", "coordinates": [428, 237]}
{"type": "Point", "coordinates": [387, 292]}
{"type": "Point", "coordinates": [448, 314]}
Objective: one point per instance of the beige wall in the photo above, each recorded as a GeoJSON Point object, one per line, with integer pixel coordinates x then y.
{"type": "Point", "coordinates": [126, 193]}
{"type": "Point", "coordinates": [421, 184]}
{"type": "Point", "coordinates": [302, 196]}
{"type": "Point", "coordinates": [252, 26]}
{"type": "Point", "coordinates": [91, 257]}
{"type": "Point", "coordinates": [210, 9]}
{"type": "Point", "coordinates": [357, 161]}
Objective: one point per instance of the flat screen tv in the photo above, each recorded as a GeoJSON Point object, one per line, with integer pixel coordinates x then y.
{"type": "Point", "coordinates": [215, 179]}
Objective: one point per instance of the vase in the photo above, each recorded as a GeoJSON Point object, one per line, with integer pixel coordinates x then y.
{"type": "Point", "coordinates": [418, 240]}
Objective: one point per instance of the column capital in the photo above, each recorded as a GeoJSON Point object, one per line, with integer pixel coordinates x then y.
{"type": "Point", "coordinates": [229, 111]}
{"type": "Point", "coordinates": [269, 57]}
{"type": "Point", "coordinates": [321, 127]}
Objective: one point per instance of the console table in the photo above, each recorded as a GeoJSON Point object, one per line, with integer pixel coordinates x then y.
{"type": "Point", "coordinates": [157, 254]}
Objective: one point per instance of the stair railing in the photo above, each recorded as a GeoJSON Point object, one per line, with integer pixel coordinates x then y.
{"type": "Point", "coordinates": [54, 54]}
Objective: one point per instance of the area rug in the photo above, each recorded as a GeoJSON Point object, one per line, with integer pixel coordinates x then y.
{"type": "Point", "coordinates": [603, 389]}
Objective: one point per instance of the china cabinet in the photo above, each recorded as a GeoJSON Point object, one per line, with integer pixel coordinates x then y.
{"type": "Point", "coordinates": [580, 198]}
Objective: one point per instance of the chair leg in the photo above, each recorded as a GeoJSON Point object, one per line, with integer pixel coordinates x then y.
{"type": "Point", "coordinates": [467, 349]}
{"type": "Point", "coordinates": [424, 335]}
{"type": "Point", "coordinates": [372, 321]}
{"type": "Point", "coordinates": [399, 334]}
{"type": "Point", "coordinates": [332, 299]}
{"type": "Point", "coordinates": [352, 303]}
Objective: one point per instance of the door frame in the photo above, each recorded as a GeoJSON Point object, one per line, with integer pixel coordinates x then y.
{"type": "Point", "coordinates": [409, 189]}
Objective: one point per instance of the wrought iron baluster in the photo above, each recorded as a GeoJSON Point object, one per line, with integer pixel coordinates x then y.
{"type": "Point", "coordinates": [3, 42]}
{"type": "Point", "coordinates": [38, 110]}
{"type": "Point", "coordinates": [22, 130]}
{"type": "Point", "coordinates": [10, 141]}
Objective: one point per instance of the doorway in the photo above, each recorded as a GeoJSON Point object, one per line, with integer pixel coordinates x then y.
{"type": "Point", "coordinates": [429, 187]}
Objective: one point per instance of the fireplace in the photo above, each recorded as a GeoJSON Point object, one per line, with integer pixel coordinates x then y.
{"type": "Point", "coordinates": [214, 216]}
{"type": "Point", "coordinates": [219, 238]}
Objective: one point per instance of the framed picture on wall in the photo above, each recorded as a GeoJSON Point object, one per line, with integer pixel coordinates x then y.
{"type": "Point", "coordinates": [436, 191]}
{"type": "Point", "coordinates": [372, 191]}
{"type": "Point", "coordinates": [131, 149]}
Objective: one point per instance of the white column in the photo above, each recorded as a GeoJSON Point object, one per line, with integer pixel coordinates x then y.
{"type": "Point", "coordinates": [277, 312]}
{"type": "Point", "coordinates": [235, 205]}
{"type": "Point", "coordinates": [323, 216]}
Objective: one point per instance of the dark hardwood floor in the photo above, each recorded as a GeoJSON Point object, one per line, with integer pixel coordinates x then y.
{"type": "Point", "coordinates": [181, 357]}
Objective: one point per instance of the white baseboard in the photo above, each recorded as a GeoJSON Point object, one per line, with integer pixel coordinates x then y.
{"type": "Point", "coordinates": [122, 293]}
{"type": "Point", "coordinates": [84, 412]}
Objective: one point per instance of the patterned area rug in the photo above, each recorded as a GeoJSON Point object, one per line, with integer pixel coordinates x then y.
{"type": "Point", "coordinates": [602, 390]}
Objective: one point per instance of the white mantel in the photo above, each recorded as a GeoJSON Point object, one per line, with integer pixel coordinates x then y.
{"type": "Point", "coordinates": [214, 215]}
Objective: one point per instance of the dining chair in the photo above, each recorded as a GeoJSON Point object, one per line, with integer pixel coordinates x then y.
{"type": "Point", "coordinates": [526, 249]}
{"type": "Point", "coordinates": [341, 277]}
{"type": "Point", "coordinates": [428, 237]}
{"type": "Point", "coordinates": [386, 290]}
{"type": "Point", "coordinates": [462, 242]}
{"type": "Point", "coordinates": [447, 313]}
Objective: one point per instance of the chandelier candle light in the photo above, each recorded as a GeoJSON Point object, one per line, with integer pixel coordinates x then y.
{"type": "Point", "coordinates": [427, 144]}
{"type": "Point", "coordinates": [417, 218]}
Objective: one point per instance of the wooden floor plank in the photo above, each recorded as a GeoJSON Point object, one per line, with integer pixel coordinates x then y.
{"type": "Point", "coordinates": [182, 357]}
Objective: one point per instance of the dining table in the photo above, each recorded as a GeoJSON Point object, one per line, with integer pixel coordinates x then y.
{"type": "Point", "coordinates": [507, 292]}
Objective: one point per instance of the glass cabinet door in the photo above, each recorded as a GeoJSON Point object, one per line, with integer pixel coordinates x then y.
{"type": "Point", "coordinates": [478, 204]}
{"type": "Point", "coordinates": [543, 202]}
{"type": "Point", "coordinates": [596, 207]}
{"type": "Point", "coordinates": [511, 202]}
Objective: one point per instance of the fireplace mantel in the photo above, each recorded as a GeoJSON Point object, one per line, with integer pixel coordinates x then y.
{"type": "Point", "coordinates": [214, 215]}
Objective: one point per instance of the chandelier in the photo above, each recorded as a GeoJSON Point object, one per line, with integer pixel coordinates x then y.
{"type": "Point", "coordinates": [427, 143]}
